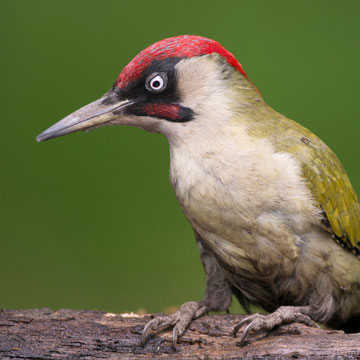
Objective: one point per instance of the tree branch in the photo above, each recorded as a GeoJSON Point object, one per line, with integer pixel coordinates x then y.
{"type": "Point", "coordinates": [69, 334]}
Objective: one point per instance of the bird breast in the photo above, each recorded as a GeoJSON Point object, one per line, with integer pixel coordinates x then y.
{"type": "Point", "coordinates": [247, 201]}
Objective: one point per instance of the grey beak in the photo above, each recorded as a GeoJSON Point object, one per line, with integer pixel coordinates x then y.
{"type": "Point", "coordinates": [93, 114]}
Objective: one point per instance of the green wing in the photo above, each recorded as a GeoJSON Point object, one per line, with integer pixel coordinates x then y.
{"type": "Point", "coordinates": [332, 189]}
{"type": "Point", "coordinates": [325, 177]}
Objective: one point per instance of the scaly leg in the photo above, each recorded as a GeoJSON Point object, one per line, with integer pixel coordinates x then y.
{"type": "Point", "coordinates": [179, 320]}
{"type": "Point", "coordinates": [283, 315]}
{"type": "Point", "coordinates": [217, 297]}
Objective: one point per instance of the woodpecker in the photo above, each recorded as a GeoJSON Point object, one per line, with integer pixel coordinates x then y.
{"type": "Point", "coordinates": [276, 220]}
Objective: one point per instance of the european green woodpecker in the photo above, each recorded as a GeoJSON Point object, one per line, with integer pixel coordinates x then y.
{"type": "Point", "coordinates": [276, 220]}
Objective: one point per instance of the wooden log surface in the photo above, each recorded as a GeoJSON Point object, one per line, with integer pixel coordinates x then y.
{"type": "Point", "coordinates": [44, 334]}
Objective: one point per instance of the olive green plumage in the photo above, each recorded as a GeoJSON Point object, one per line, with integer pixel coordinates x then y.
{"type": "Point", "coordinates": [322, 171]}
{"type": "Point", "coordinates": [266, 198]}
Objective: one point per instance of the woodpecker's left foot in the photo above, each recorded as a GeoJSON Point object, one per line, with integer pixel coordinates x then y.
{"type": "Point", "coordinates": [283, 315]}
{"type": "Point", "coordinates": [180, 320]}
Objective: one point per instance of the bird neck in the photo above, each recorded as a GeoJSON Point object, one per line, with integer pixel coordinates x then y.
{"type": "Point", "coordinates": [223, 101]}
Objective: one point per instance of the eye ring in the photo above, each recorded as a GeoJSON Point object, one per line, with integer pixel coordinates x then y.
{"type": "Point", "coordinates": [156, 82]}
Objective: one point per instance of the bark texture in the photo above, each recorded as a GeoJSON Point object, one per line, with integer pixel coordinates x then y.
{"type": "Point", "coordinates": [44, 334]}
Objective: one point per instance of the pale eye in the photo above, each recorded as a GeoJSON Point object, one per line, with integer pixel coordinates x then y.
{"type": "Point", "coordinates": [156, 82]}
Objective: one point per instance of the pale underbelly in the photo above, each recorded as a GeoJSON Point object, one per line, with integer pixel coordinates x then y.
{"type": "Point", "coordinates": [280, 273]}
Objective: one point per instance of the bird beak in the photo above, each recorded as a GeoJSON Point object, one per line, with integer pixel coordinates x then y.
{"type": "Point", "coordinates": [94, 114]}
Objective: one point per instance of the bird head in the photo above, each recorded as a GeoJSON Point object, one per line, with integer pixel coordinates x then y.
{"type": "Point", "coordinates": [169, 85]}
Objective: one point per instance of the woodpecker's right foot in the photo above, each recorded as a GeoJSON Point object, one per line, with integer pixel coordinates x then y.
{"type": "Point", "coordinates": [180, 320]}
{"type": "Point", "coordinates": [283, 315]}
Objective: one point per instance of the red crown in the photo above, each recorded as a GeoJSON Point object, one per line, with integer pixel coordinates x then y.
{"type": "Point", "coordinates": [179, 46]}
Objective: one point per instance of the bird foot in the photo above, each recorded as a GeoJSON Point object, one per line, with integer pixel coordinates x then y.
{"type": "Point", "coordinates": [283, 315]}
{"type": "Point", "coordinates": [179, 320]}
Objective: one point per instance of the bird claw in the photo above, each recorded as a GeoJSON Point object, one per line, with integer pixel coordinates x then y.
{"type": "Point", "coordinates": [157, 324]}
{"type": "Point", "coordinates": [175, 335]}
{"type": "Point", "coordinates": [240, 324]}
{"type": "Point", "coordinates": [283, 315]}
{"type": "Point", "coordinates": [180, 320]}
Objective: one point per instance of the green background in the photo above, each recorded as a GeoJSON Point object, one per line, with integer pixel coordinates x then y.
{"type": "Point", "coordinates": [90, 220]}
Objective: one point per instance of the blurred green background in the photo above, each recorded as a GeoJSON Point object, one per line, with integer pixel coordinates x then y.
{"type": "Point", "coordinates": [90, 220]}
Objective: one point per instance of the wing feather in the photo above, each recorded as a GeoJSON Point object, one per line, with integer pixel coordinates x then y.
{"type": "Point", "coordinates": [323, 173]}
{"type": "Point", "coordinates": [332, 190]}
